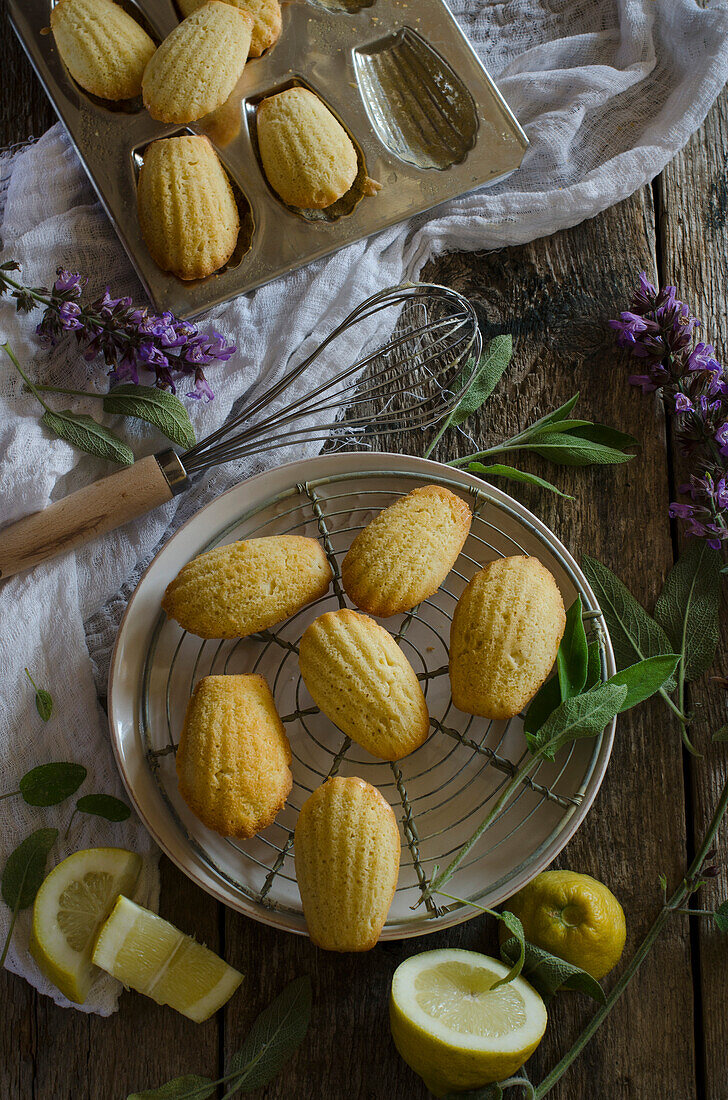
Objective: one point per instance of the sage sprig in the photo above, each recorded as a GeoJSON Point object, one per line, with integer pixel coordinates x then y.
{"type": "Point", "coordinates": [272, 1040]}
{"type": "Point", "coordinates": [547, 973]}
{"type": "Point", "coordinates": [479, 380]}
{"type": "Point", "coordinates": [43, 699]}
{"type": "Point", "coordinates": [23, 875]}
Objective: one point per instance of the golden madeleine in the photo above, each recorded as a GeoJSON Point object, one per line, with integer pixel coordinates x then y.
{"type": "Point", "coordinates": [347, 860]}
{"type": "Point", "coordinates": [197, 66]}
{"type": "Point", "coordinates": [187, 211]}
{"type": "Point", "coordinates": [505, 635]}
{"type": "Point", "coordinates": [266, 15]}
{"type": "Point", "coordinates": [360, 678]}
{"type": "Point", "coordinates": [233, 760]}
{"type": "Point", "coordinates": [405, 553]}
{"type": "Point", "coordinates": [102, 47]}
{"type": "Point", "coordinates": [236, 590]}
{"type": "Point", "coordinates": [307, 155]}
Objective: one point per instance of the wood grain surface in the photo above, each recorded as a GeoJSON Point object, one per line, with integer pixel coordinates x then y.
{"type": "Point", "coordinates": [666, 1037]}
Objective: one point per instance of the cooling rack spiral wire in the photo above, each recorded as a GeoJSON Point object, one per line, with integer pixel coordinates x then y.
{"type": "Point", "coordinates": [473, 746]}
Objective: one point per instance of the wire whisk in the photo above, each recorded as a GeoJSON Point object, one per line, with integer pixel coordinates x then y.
{"type": "Point", "coordinates": [407, 382]}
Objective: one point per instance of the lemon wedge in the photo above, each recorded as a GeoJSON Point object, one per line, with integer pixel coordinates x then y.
{"type": "Point", "coordinates": [453, 1028]}
{"type": "Point", "coordinates": [153, 957]}
{"type": "Point", "coordinates": [70, 907]}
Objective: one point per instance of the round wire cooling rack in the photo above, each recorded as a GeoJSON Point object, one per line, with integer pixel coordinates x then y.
{"type": "Point", "coordinates": [440, 792]}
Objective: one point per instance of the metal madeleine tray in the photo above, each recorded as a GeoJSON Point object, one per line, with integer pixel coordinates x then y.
{"type": "Point", "coordinates": [427, 121]}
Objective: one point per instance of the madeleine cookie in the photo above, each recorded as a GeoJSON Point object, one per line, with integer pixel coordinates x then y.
{"type": "Point", "coordinates": [197, 66]}
{"type": "Point", "coordinates": [233, 760]}
{"type": "Point", "coordinates": [236, 590]}
{"type": "Point", "coordinates": [360, 678]}
{"type": "Point", "coordinates": [505, 636]}
{"type": "Point", "coordinates": [405, 553]}
{"type": "Point", "coordinates": [266, 16]}
{"type": "Point", "coordinates": [102, 47]}
{"type": "Point", "coordinates": [347, 860]}
{"type": "Point", "coordinates": [307, 155]}
{"type": "Point", "coordinates": [186, 206]}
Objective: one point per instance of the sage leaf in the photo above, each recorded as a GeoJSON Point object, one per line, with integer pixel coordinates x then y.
{"type": "Point", "coordinates": [565, 449]}
{"type": "Point", "coordinates": [484, 378]}
{"type": "Point", "coordinates": [103, 805]}
{"type": "Point", "coordinates": [548, 974]}
{"type": "Point", "coordinates": [583, 716]}
{"type": "Point", "coordinates": [720, 916]}
{"type": "Point", "coordinates": [565, 426]}
{"type": "Point", "coordinates": [43, 699]}
{"type": "Point", "coordinates": [157, 407]}
{"type": "Point", "coordinates": [49, 784]}
{"type": "Point", "coordinates": [25, 869]}
{"type": "Point", "coordinates": [86, 434]}
{"type": "Point", "coordinates": [189, 1087]}
{"type": "Point", "coordinates": [497, 469]}
{"type": "Point", "coordinates": [645, 678]}
{"type": "Point", "coordinates": [634, 633]}
{"type": "Point", "coordinates": [604, 435]}
{"type": "Point", "coordinates": [594, 664]}
{"type": "Point", "coordinates": [687, 608]}
{"type": "Point", "coordinates": [274, 1037]}
{"type": "Point", "coordinates": [573, 654]}
{"type": "Point", "coordinates": [721, 734]}
{"type": "Point", "coordinates": [552, 419]}
{"type": "Point", "coordinates": [544, 702]}
{"type": "Point", "coordinates": [514, 926]}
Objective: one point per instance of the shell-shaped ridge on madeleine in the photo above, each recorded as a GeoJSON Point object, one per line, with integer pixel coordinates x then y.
{"type": "Point", "coordinates": [307, 155]}
{"type": "Point", "coordinates": [266, 16]}
{"type": "Point", "coordinates": [360, 678]}
{"type": "Point", "coordinates": [187, 210]}
{"type": "Point", "coordinates": [240, 589]}
{"type": "Point", "coordinates": [103, 48]}
{"type": "Point", "coordinates": [198, 65]}
{"type": "Point", "coordinates": [233, 760]}
{"type": "Point", "coordinates": [406, 552]}
{"type": "Point", "coordinates": [505, 636]}
{"type": "Point", "coordinates": [347, 851]}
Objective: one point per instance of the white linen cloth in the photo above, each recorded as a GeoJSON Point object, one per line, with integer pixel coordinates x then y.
{"type": "Point", "coordinates": [607, 91]}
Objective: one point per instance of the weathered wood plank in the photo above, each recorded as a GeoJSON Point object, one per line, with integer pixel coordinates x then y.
{"type": "Point", "coordinates": [694, 194]}
{"type": "Point", "coordinates": [24, 107]}
{"type": "Point", "coordinates": [553, 295]}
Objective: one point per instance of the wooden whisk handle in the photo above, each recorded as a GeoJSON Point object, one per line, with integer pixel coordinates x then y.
{"type": "Point", "coordinates": [86, 514]}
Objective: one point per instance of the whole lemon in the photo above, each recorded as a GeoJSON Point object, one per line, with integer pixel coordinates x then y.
{"type": "Point", "coordinates": [573, 916]}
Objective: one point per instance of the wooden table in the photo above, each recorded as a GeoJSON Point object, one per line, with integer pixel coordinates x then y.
{"type": "Point", "coordinates": [667, 1037]}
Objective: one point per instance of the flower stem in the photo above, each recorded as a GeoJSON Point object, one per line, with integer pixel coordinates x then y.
{"type": "Point", "coordinates": [6, 945]}
{"type": "Point", "coordinates": [672, 906]}
{"type": "Point", "coordinates": [70, 393]}
{"type": "Point", "coordinates": [9, 794]}
{"type": "Point", "coordinates": [9, 352]}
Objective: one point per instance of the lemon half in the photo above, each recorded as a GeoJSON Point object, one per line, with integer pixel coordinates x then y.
{"type": "Point", "coordinates": [153, 957]}
{"type": "Point", "coordinates": [453, 1028]}
{"type": "Point", "coordinates": [71, 905]}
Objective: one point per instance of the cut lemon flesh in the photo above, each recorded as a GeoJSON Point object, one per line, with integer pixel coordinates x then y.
{"type": "Point", "coordinates": [153, 957]}
{"type": "Point", "coordinates": [453, 1028]}
{"type": "Point", "coordinates": [70, 907]}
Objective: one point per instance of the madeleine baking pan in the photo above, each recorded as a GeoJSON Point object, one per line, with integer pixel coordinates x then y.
{"type": "Point", "coordinates": [426, 119]}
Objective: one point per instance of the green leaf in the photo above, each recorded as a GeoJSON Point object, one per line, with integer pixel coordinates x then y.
{"type": "Point", "coordinates": [548, 974]}
{"type": "Point", "coordinates": [721, 734]}
{"type": "Point", "coordinates": [189, 1087]}
{"type": "Point", "coordinates": [103, 805]}
{"type": "Point", "coordinates": [484, 378]}
{"type": "Point", "coordinates": [571, 450]}
{"type": "Point", "coordinates": [510, 472]}
{"type": "Point", "coordinates": [552, 420]}
{"type": "Point", "coordinates": [645, 678]}
{"type": "Point", "coordinates": [544, 702]}
{"type": "Point", "coordinates": [514, 926]}
{"type": "Point", "coordinates": [25, 868]}
{"type": "Point", "coordinates": [572, 656]}
{"type": "Point", "coordinates": [634, 633]}
{"type": "Point", "coordinates": [86, 434]}
{"type": "Point", "coordinates": [43, 699]}
{"type": "Point", "coordinates": [274, 1037]}
{"type": "Point", "coordinates": [594, 664]}
{"type": "Point", "coordinates": [165, 411]}
{"type": "Point", "coordinates": [720, 916]}
{"type": "Point", "coordinates": [49, 784]}
{"type": "Point", "coordinates": [604, 435]}
{"type": "Point", "coordinates": [583, 716]}
{"type": "Point", "coordinates": [565, 426]}
{"type": "Point", "coordinates": [687, 608]}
